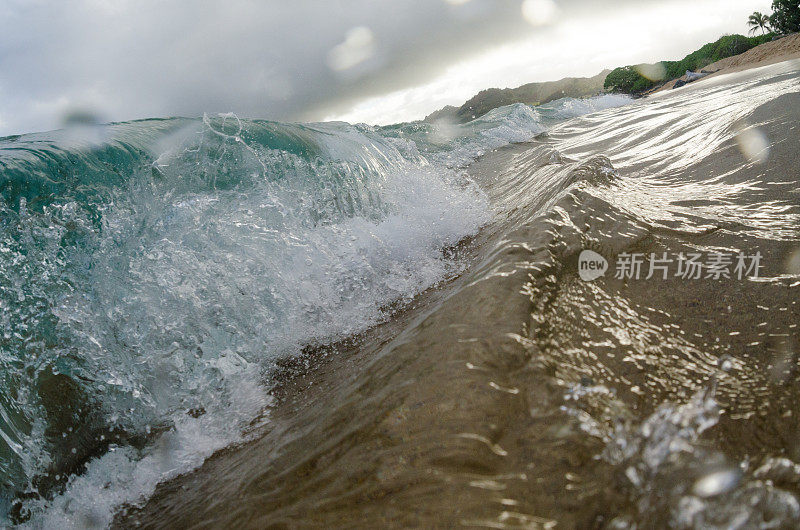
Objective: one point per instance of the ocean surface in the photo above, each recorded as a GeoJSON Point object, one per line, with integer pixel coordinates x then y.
{"type": "Point", "coordinates": [389, 326]}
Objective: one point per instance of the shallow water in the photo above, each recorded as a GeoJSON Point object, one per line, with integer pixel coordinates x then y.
{"type": "Point", "coordinates": [469, 377]}
{"type": "Point", "coordinates": [156, 273]}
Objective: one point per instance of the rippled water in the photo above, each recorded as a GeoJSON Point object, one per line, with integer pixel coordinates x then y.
{"type": "Point", "coordinates": [518, 395]}
{"type": "Point", "coordinates": [388, 339]}
{"type": "Point", "coordinates": [155, 275]}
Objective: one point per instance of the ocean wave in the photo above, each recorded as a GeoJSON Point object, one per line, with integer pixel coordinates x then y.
{"type": "Point", "coordinates": [156, 270]}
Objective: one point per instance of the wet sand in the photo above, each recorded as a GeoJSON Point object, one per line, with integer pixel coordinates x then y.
{"type": "Point", "coordinates": [518, 395]}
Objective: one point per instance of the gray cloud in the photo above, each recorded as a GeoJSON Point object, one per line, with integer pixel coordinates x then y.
{"type": "Point", "coordinates": [131, 59]}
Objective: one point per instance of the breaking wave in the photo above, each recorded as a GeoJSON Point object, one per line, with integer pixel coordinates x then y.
{"type": "Point", "coordinates": [152, 274]}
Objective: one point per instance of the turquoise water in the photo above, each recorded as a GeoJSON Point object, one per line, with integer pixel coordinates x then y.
{"type": "Point", "coordinates": [152, 273]}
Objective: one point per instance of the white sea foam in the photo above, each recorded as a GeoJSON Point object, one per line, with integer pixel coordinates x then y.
{"type": "Point", "coordinates": [194, 290]}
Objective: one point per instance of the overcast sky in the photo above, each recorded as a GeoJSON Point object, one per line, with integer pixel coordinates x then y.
{"type": "Point", "coordinates": [377, 61]}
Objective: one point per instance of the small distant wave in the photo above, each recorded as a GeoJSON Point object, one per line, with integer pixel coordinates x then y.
{"type": "Point", "coordinates": [457, 145]}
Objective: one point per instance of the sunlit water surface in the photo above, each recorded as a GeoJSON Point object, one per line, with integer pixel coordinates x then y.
{"type": "Point", "coordinates": [389, 324]}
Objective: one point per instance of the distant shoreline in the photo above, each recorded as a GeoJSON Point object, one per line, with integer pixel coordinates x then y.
{"type": "Point", "coordinates": [783, 49]}
{"type": "Point", "coordinates": [529, 94]}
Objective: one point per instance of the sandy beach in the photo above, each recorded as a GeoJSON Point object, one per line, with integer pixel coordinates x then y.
{"type": "Point", "coordinates": [784, 49]}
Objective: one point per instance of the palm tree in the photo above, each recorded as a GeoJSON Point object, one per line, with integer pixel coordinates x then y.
{"type": "Point", "coordinates": [758, 21]}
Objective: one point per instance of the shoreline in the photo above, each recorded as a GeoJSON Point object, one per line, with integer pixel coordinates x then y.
{"type": "Point", "coordinates": [786, 48]}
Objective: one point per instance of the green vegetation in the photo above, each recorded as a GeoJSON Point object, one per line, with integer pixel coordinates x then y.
{"type": "Point", "coordinates": [627, 79]}
{"type": "Point", "coordinates": [758, 21]}
{"type": "Point", "coordinates": [786, 16]}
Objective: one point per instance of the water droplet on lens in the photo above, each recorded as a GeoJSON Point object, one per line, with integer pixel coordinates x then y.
{"type": "Point", "coordinates": [725, 363]}
{"type": "Point", "coordinates": [539, 12]}
{"type": "Point", "coordinates": [753, 144]}
{"type": "Point", "coordinates": [793, 262]}
{"type": "Point", "coordinates": [716, 482]}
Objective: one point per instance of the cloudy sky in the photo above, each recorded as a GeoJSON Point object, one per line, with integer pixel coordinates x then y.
{"type": "Point", "coordinates": [376, 61]}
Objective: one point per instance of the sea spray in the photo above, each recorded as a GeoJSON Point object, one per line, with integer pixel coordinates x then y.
{"type": "Point", "coordinates": [153, 279]}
